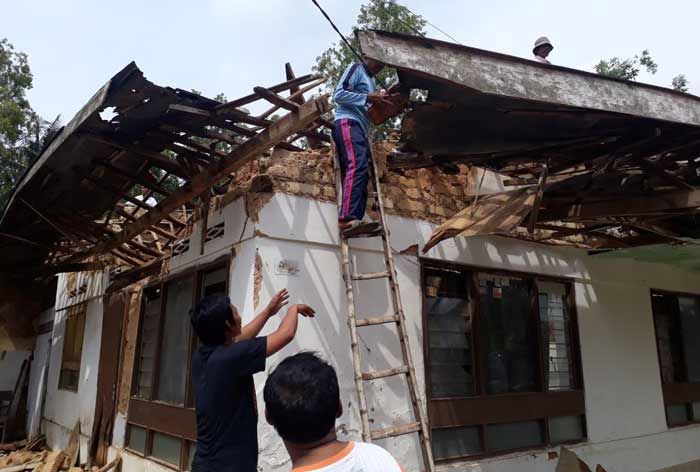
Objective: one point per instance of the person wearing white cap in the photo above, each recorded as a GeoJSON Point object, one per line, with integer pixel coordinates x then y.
{"type": "Point", "coordinates": [542, 49]}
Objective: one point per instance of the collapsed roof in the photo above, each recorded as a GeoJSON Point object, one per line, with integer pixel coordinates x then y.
{"type": "Point", "coordinates": [126, 185]}
{"type": "Point", "coordinates": [588, 161]}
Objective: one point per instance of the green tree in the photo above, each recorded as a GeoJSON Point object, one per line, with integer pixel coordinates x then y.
{"type": "Point", "coordinates": [386, 15]}
{"type": "Point", "coordinates": [22, 132]}
{"type": "Point", "coordinates": [627, 69]}
{"type": "Point", "coordinates": [680, 83]}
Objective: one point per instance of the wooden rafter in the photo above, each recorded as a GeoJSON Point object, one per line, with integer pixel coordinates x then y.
{"type": "Point", "coordinates": [156, 158]}
{"type": "Point", "coordinates": [244, 153]}
{"type": "Point", "coordinates": [287, 85]}
{"type": "Point", "coordinates": [659, 202]}
{"type": "Point", "coordinates": [275, 99]}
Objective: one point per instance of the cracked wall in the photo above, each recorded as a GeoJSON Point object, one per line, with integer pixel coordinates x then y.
{"type": "Point", "coordinates": [425, 194]}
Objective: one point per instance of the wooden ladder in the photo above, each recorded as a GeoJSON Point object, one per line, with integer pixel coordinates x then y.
{"type": "Point", "coordinates": [419, 425]}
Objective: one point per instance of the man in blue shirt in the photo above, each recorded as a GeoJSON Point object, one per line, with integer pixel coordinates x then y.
{"type": "Point", "coordinates": [222, 377]}
{"type": "Point", "coordinates": [355, 91]}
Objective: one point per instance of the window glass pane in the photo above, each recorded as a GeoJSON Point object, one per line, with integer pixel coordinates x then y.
{"type": "Point", "coordinates": [507, 337]}
{"type": "Point", "coordinates": [172, 374]}
{"type": "Point", "coordinates": [456, 442]}
{"type": "Point", "coordinates": [565, 428]}
{"type": "Point", "coordinates": [696, 411]}
{"type": "Point", "coordinates": [148, 342]}
{"type": "Point", "coordinates": [507, 436]}
{"type": "Point", "coordinates": [69, 376]}
{"type": "Point", "coordinates": [668, 339]}
{"type": "Point", "coordinates": [136, 439]}
{"type": "Point", "coordinates": [449, 331]}
{"type": "Point", "coordinates": [689, 308]}
{"type": "Point", "coordinates": [554, 318]}
{"type": "Point", "coordinates": [451, 369]}
{"type": "Point", "coordinates": [166, 448]}
{"type": "Point", "coordinates": [213, 282]}
{"type": "Point", "coordinates": [677, 413]}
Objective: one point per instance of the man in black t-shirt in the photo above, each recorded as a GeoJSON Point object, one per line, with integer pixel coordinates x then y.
{"type": "Point", "coordinates": [222, 377]}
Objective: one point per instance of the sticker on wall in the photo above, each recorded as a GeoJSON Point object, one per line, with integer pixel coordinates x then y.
{"type": "Point", "coordinates": [287, 267]}
{"type": "Point", "coordinates": [497, 292]}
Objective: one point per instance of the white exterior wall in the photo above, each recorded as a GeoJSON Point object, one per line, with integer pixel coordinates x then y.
{"type": "Point", "coordinates": [624, 405]}
{"type": "Point", "coordinates": [62, 407]}
{"type": "Point", "coordinates": [38, 375]}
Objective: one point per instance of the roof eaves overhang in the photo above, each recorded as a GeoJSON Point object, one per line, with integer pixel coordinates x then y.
{"type": "Point", "coordinates": [608, 163]}
{"type": "Point", "coordinates": [522, 79]}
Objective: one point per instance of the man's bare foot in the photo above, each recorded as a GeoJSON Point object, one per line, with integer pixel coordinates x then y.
{"type": "Point", "coordinates": [343, 225]}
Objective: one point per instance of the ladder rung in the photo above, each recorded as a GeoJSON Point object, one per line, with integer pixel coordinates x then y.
{"type": "Point", "coordinates": [376, 321]}
{"type": "Point", "coordinates": [396, 431]}
{"type": "Point", "coordinates": [372, 194]}
{"type": "Point", "coordinates": [370, 275]}
{"type": "Point", "coordinates": [380, 374]}
{"type": "Point", "coordinates": [370, 234]}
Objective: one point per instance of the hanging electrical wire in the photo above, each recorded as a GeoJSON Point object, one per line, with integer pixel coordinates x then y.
{"type": "Point", "coordinates": [342, 36]}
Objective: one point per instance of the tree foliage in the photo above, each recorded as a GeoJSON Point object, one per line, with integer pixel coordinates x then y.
{"type": "Point", "coordinates": [680, 83]}
{"type": "Point", "coordinates": [386, 15]}
{"type": "Point", "coordinates": [627, 69]}
{"type": "Point", "coordinates": [22, 132]}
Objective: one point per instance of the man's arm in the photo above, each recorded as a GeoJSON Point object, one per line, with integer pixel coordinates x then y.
{"type": "Point", "coordinates": [345, 93]}
{"type": "Point", "coordinates": [252, 329]}
{"type": "Point", "coordinates": [284, 334]}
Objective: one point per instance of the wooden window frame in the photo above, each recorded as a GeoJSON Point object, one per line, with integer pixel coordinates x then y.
{"type": "Point", "coordinates": [82, 313]}
{"type": "Point", "coordinates": [481, 409]}
{"type": "Point", "coordinates": [178, 421]}
{"type": "Point", "coordinates": [675, 393]}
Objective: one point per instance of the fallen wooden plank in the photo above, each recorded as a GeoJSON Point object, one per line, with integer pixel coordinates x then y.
{"type": "Point", "coordinates": [73, 448]}
{"type": "Point", "coordinates": [13, 446]}
{"type": "Point", "coordinates": [21, 467]}
{"type": "Point", "coordinates": [112, 464]}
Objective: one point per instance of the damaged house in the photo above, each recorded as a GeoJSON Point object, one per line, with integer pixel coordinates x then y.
{"type": "Point", "coordinates": [544, 224]}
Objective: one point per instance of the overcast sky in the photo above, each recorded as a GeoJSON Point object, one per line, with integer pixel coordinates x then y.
{"type": "Point", "coordinates": [230, 46]}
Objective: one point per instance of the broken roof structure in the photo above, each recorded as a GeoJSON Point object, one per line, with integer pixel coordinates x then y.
{"type": "Point", "coordinates": [146, 170]}
{"type": "Point", "coordinates": [593, 162]}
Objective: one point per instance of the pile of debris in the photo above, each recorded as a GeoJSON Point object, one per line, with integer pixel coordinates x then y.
{"type": "Point", "coordinates": [33, 456]}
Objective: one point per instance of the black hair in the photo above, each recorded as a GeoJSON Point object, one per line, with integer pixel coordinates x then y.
{"type": "Point", "coordinates": [209, 317]}
{"type": "Point", "coordinates": [302, 398]}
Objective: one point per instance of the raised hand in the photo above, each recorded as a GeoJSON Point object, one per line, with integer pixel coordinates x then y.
{"type": "Point", "coordinates": [305, 310]}
{"type": "Point", "coordinates": [277, 302]}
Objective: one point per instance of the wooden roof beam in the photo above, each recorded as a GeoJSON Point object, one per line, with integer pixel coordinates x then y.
{"type": "Point", "coordinates": [155, 158]}
{"type": "Point", "coordinates": [297, 96]}
{"type": "Point", "coordinates": [655, 203]}
{"type": "Point", "coordinates": [275, 99]}
{"type": "Point", "coordinates": [287, 85]}
{"type": "Point", "coordinates": [153, 186]}
{"type": "Point", "coordinates": [243, 154]}
{"type": "Point", "coordinates": [658, 170]}
{"type": "Point", "coordinates": [156, 229]}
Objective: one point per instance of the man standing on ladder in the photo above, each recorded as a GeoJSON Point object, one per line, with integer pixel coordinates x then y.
{"type": "Point", "coordinates": [355, 91]}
